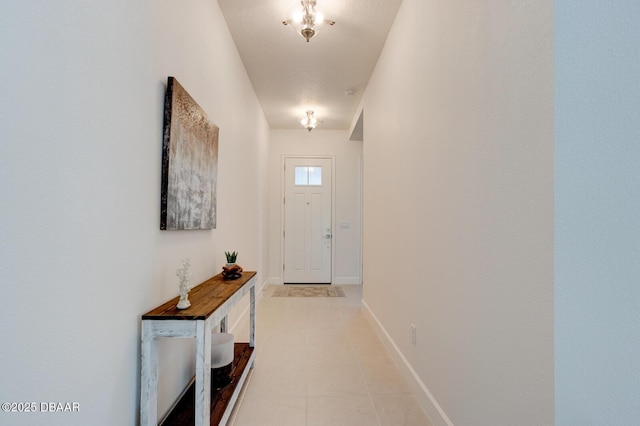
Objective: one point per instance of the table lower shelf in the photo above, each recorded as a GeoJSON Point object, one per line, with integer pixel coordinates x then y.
{"type": "Point", "coordinates": [221, 399]}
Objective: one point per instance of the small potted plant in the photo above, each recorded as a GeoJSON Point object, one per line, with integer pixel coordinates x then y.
{"type": "Point", "coordinates": [231, 258]}
{"type": "Point", "coordinates": [232, 270]}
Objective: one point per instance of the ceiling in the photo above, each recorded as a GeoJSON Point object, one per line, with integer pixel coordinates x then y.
{"type": "Point", "coordinates": [291, 76]}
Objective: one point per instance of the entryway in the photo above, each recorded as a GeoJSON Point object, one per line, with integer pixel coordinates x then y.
{"type": "Point", "coordinates": [308, 220]}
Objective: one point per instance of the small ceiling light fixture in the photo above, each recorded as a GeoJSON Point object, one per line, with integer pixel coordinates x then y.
{"type": "Point", "coordinates": [310, 122]}
{"type": "Point", "coordinates": [303, 17]}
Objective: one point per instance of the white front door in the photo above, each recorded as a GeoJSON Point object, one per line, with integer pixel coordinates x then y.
{"type": "Point", "coordinates": [307, 220]}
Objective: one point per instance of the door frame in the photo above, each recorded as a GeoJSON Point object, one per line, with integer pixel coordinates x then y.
{"type": "Point", "coordinates": [333, 208]}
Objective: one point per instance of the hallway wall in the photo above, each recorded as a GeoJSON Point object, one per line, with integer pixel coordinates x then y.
{"type": "Point", "coordinates": [81, 253]}
{"type": "Point", "coordinates": [458, 196]}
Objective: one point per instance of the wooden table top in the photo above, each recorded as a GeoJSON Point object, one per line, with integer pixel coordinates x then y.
{"type": "Point", "coordinates": [205, 298]}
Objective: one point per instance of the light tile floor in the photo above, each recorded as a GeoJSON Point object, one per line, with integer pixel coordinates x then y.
{"type": "Point", "coordinates": [319, 362]}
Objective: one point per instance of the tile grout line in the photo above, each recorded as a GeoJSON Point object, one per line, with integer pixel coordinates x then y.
{"type": "Point", "coordinates": [353, 349]}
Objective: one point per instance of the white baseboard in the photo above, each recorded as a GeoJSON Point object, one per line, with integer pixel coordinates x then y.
{"type": "Point", "coordinates": [347, 280]}
{"type": "Point", "coordinates": [275, 280]}
{"type": "Point", "coordinates": [424, 397]}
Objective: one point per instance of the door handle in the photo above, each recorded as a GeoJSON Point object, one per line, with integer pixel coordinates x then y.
{"type": "Point", "coordinates": [328, 234]}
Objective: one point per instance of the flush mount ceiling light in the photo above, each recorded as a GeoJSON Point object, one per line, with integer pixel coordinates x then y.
{"type": "Point", "coordinates": [303, 17]}
{"type": "Point", "coordinates": [310, 122]}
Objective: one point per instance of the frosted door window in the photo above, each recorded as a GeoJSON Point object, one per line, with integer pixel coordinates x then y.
{"type": "Point", "coordinates": [308, 176]}
{"type": "Point", "coordinates": [315, 176]}
{"type": "Point", "coordinates": [301, 176]}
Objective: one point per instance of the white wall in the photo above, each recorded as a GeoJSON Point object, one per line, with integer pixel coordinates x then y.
{"type": "Point", "coordinates": [597, 268]}
{"type": "Point", "coordinates": [347, 241]}
{"type": "Point", "coordinates": [458, 206]}
{"type": "Point", "coordinates": [81, 253]}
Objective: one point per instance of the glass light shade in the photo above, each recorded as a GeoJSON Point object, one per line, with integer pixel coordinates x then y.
{"type": "Point", "coordinates": [310, 122]}
{"type": "Point", "coordinates": [303, 17]}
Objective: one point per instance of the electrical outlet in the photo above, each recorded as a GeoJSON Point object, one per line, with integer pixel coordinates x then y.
{"type": "Point", "coordinates": [413, 334]}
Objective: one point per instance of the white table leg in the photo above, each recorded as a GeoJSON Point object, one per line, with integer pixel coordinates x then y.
{"type": "Point", "coordinates": [148, 377]}
{"type": "Point", "coordinates": [203, 373]}
{"type": "Point", "coordinates": [252, 316]}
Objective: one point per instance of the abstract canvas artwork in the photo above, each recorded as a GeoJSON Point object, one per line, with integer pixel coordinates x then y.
{"type": "Point", "coordinates": [189, 163]}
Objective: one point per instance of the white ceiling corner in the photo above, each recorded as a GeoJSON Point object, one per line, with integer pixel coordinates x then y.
{"type": "Point", "coordinates": [291, 76]}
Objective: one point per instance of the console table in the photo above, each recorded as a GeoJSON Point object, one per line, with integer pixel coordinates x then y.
{"type": "Point", "coordinates": [211, 301]}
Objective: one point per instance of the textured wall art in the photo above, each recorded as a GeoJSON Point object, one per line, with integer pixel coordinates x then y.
{"type": "Point", "coordinates": [189, 163]}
